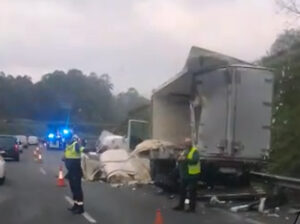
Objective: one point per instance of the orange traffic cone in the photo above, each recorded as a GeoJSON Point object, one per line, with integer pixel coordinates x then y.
{"type": "Point", "coordinates": [60, 179]}
{"type": "Point", "coordinates": [158, 217]}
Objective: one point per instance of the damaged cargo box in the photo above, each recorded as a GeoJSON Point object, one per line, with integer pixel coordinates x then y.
{"type": "Point", "coordinates": [224, 104]}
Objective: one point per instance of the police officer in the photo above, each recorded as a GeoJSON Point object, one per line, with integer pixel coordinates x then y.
{"type": "Point", "coordinates": [72, 158]}
{"type": "Point", "coordinates": [189, 170]}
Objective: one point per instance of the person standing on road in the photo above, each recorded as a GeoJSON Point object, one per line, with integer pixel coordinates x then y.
{"type": "Point", "coordinates": [72, 157]}
{"type": "Point", "coordinates": [189, 171]}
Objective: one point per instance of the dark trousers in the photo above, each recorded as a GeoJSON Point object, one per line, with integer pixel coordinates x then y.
{"type": "Point", "coordinates": [188, 189]}
{"type": "Point", "coordinates": [74, 176]}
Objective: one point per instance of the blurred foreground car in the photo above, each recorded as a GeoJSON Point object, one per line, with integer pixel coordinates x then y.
{"type": "Point", "coordinates": [9, 147]}
{"type": "Point", "coordinates": [23, 140]}
{"type": "Point", "coordinates": [2, 170]}
{"type": "Point", "coordinates": [33, 140]}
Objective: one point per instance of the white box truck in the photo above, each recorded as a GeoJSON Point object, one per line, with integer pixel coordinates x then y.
{"type": "Point", "coordinates": [225, 105]}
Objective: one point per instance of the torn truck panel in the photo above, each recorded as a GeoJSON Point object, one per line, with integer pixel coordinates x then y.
{"type": "Point", "coordinates": [202, 60]}
{"type": "Point", "coordinates": [199, 60]}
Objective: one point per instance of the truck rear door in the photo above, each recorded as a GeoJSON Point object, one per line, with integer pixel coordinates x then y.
{"type": "Point", "coordinates": [252, 112]}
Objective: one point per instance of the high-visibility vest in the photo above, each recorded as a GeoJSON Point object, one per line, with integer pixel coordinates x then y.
{"type": "Point", "coordinates": [193, 169]}
{"type": "Point", "coordinates": [71, 153]}
{"type": "Point", "coordinates": [81, 149]}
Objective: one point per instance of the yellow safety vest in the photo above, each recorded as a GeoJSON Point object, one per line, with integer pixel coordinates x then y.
{"type": "Point", "coordinates": [193, 169]}
{"type": "Point", "coordinates": [81, 149]}
{"type": "Point", "coordinates": [71, 153]}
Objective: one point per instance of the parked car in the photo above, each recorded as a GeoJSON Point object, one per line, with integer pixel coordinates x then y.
{"type": "Point", "coordinates": [2, 170]}
{"type": "Point", "coordinates": [33, 140]}
{"type": "Point", "coordinates": [9, 147]}
{"type": "Point", "coordinates": [23, 140]}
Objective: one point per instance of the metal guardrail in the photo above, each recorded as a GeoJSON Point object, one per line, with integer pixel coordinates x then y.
{"type": "Point", "coordinates": [288, 182]}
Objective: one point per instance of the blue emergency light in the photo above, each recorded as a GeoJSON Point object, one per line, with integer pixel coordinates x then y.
{"type": "Point", "coordinates": [66, 131]}
{"type": "Point", "coordinates": [51, 135]}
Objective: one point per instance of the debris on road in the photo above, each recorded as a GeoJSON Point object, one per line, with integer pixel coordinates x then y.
{"type": "Point", "coordinates": [90, 166]}
{"type": "Point", "coordinates": [239, 208]}
{"type": "Point", "coordinates": [214, 201]}
{"type": "Point", "coordinates": [244, 196]}
{"type": "Point", "coordinates": [261, 206]}
{"type": "Point", "coordinates": [119, 166]}
{"type": "Point", "coordinates": [273, 215]}
{"type": "Point", "coordinates": [108, 140]}
{"type": "Point", "coordinates": [116, 185]}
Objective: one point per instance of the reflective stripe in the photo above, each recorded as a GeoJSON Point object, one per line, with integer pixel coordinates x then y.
{"type": "Point", "coordinates": [71, 153]}
{"type": "Point", "coordinates": [193, 169]}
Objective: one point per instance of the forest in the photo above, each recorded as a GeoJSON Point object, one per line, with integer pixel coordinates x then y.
{"type": "Point", "coordinates": [70, 95]}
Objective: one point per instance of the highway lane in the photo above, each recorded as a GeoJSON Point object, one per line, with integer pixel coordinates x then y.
{"type": "Point", "coordinates": [30, 196]}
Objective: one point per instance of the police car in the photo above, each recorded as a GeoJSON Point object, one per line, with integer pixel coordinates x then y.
{"type": "Point", "coordinates": [56, 139]}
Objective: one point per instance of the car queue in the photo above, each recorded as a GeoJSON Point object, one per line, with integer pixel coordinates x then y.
{"type": "Point", "coordinates": [11, 147]}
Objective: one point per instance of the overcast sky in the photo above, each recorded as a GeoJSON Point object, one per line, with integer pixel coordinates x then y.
{"type": "Point", "coordinates": [139, 43]}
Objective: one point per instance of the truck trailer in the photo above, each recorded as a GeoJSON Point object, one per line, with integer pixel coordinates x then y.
{"type": "Point", "coordinates": [225, 105]}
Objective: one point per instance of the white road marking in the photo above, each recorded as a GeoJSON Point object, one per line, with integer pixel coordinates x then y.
{"type": "Point", "coordinates": [68, 199]}
{"type": "Point", "coordinates": [86, 215]}
{"type": "Point", "coordinates": [89, 218]}
{"type": "Point", "coordinates": [43, 171]}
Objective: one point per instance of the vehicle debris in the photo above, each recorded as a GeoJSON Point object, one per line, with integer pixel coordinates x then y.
{"type": "Point", "coordinates": [273, 215]}
{"type": "Point", "coordinates": [108, 140]}
{"type": "Point", "coordinates": [261, 206]}
{"type": "Point", "coordinates": [240, 208]}
{"type": "Point", "coordinates": [119, 166]}
{"type": "Point", "coordinates": [116, 185]}
{"type": "Point", "coordinates": [214, 200]}
{"type": "Point", "coordinates": [90, 167]}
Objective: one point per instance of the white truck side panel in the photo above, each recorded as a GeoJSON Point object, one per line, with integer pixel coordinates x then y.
{"type": "Point", "coordinates": [212, 86]}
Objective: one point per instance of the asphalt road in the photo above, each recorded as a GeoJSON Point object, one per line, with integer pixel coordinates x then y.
{"type": "Point", "coordinates": [31, 196]}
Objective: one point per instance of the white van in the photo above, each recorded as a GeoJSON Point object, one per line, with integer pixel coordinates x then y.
{"type": "Point", "coordinates": [33, 140]}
